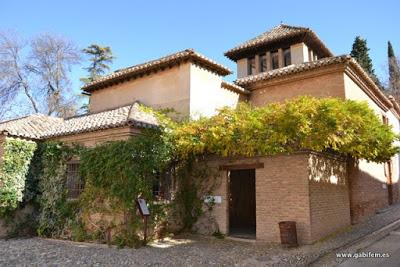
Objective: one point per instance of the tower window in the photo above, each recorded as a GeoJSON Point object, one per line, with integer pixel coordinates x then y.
{"type": "Point", "coordinates": [287, 57]}
{"type": "Point", "coordinates": [274, 59]}
{"type": "Point", "coordinates": [263, 63]}
{"type": "Point", "coordinates": [251, 67]}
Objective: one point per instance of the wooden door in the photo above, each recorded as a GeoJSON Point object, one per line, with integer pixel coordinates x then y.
{"type": "Point", "coordinates": [242, 201]}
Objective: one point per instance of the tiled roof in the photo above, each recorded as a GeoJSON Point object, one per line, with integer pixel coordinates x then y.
{"type": "Point", "coordinates": [32, 127]}
{"type": "Point", "coordinates": [295, 68]}
{"type": "Point", "coordinates": [128, 115]}
{"type": "Point", "coordinates": [155, 65]}
{"type": "Point", "coordinates": [234, 87]}
{"type": "Point", "coordinates": [277, 34]}
{"type": "Point", "coordinates": [39, 126]}
{"type": "Point", "coordinates": [303, 67]}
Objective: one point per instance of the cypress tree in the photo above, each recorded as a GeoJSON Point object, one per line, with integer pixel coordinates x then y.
{"type": "Point", "coordinates": [360, 52]}
{"type": "Point", "coordinates": [394, 72]}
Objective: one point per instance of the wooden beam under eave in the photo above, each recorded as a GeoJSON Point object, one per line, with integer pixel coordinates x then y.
{"type": "Point", "coordinates": [228, 167]}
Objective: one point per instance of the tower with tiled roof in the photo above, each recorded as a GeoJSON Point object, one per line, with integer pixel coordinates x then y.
{"type": "Point", "coordinates": [279, 47]}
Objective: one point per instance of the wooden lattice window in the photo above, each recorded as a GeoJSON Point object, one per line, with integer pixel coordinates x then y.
{"type": "Point", "coordinates": [75, 183]}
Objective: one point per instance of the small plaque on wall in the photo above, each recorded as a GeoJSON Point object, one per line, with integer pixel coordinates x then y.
{"type": "Point", "coordinates": [213, 199]}
{"type": "Point", "coordinates": [144, 210]}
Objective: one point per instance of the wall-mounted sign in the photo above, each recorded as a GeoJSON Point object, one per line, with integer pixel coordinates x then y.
{"type": "Point", "coordinates": [213, 199]}
{"type": "Point", "coordinates": [144, 210]}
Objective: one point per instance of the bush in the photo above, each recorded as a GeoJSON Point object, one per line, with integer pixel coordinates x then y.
{"type": "Point", "coordinates": [14, 167]}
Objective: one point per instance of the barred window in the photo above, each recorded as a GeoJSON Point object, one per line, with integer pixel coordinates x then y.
{"type": "Point", "coordinates": [162, 186]}
{"type": "Point", "coordinates": [74, 182]}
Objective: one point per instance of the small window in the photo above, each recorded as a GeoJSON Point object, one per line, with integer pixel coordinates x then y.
{"type": "Point", "coordinates": [275, 60]}
{"type": "Point", "coordinates": [251, 67]}
{"type": "Point", "coordinates": [263, 63]}
{"type": "Point", "coordinates": [287, 60]}
{"type": "Point", "coordinates": [162, 185]}
{"type": "Point", "coordinates": [74, 182]}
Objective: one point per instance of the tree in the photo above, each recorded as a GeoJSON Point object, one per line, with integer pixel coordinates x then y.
{"type": "Point", "coordinates": [38, 70]}
{"type": "Point", "coordinates": [394, 73]}
{"type": "Point", "coordinates": [99, 57]}
{"type": "Point", "coordinates": [360, 53]}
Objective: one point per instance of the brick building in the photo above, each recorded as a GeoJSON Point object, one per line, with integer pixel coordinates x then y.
{"type": "Point", "coordinates": [323, 193]}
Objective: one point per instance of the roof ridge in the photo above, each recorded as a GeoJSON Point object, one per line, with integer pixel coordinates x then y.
{"type": "Point", "coordinates": [158, 64]}
{"type": "Point", "coordinates": [98, 112]}
{"type": "Point", "coordinates": [27, 116]}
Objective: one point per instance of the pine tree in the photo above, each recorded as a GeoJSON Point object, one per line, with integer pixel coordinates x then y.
{"type": "Point", "coordinates": [360, 52]}
{"type": "Point", "coordinates": [394, 73]}
{"type": "Point", "coordinates": [100, 57]}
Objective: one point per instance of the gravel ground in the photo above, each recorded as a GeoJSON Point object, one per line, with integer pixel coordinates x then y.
{"type": "Point", "coordinates": [187, 250]}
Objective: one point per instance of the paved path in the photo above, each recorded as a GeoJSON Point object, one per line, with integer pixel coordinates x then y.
{"type": "Point", "coordinates": [389, 247]}
{"type": "Point", "coordinates": [189, 250]}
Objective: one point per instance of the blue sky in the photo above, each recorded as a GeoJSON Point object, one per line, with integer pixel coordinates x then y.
{"type": "Point", "coordinates": [139, 31]}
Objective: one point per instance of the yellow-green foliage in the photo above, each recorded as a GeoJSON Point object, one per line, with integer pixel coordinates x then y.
{"type": "Point", "coordinates": [346, 127]}
{"type": "Point", "coordinates": [13, 169]}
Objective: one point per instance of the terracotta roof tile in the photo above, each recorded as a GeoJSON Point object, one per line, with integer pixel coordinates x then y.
{"type": "Point", "coordinates": [276, 34]}
{"type": "Point", "coordinates": [32, 127]}
{"type": "Point", "coordinates": [234, 87]}
{"type": "Point", "coordinates": [155, 65]}
{"type": "Point", "coordinates": [39, 126]}
{"type": "Point", "coordinates": [295, 68]}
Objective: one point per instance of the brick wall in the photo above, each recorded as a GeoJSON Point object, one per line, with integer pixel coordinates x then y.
{"type": "Point", "coordinates": [281, 194]}
{"type": "Point", "coordinates": [329, 83]}
{"type": "Point", "coordinates": [368, 189]}
{"type": "Point", "coordinates": [287, 188]}
{"type": "Point", "coordinates": [329, 195]}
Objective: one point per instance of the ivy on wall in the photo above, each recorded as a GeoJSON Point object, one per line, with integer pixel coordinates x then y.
{"type": "Point", "coordinates": [116, 173]}
{"type": "Point", "coordinates": [54, 210]}
{"type": "Point", "coordinates": [14, 167]}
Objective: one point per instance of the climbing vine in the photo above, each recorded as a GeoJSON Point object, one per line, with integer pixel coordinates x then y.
{"type": "Point", "coordinates": [13, 169]}
{"type": "Point", "coordinates": [343, 126]}
{"type": "Point", "coordinates": [54, 209]}
{"type": "Point", "coordinates": [117, 173]}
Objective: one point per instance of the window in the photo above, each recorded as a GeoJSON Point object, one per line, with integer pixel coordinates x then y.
{"type": "Point", "coordinates": [287, 60]}
{"type": "Point", "coordinates": [74, 182]}
{"type": "Point", "coordinates": [263, 63]}
{"type": "Point", "coordinates": [162, 186]}
{"type": "Point", "coordinates": [275, 60]}
{"type": "Point", "coordinates": [251, 67]}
